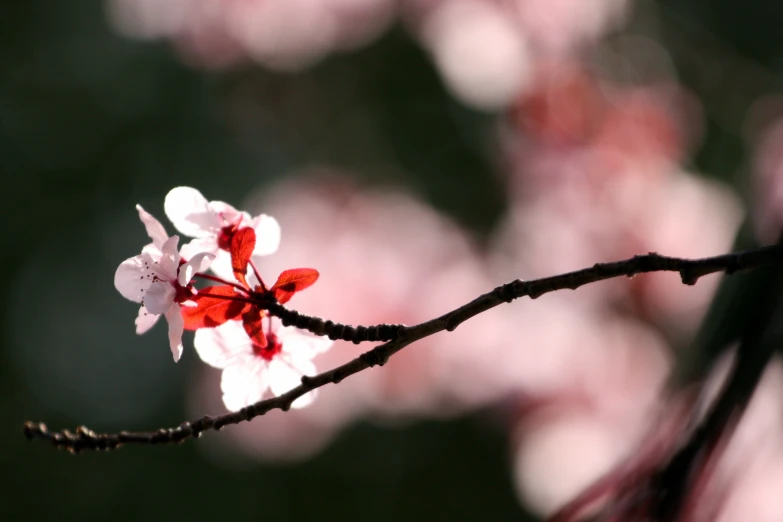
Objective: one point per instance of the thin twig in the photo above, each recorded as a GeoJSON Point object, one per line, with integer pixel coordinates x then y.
{"type": "Point", "coordinates": [690, 271]}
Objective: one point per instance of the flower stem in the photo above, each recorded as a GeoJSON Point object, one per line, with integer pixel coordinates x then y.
{"type": "Point", "coordinates": [220, 280]}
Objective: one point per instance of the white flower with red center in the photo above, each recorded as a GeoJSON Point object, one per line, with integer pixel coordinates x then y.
{"type": "Point", "coordinates": [159, 279]}
{"type": "Point", "coordinates": [250, 369]}
{"type": "Point", "coordinates": [213, 225]}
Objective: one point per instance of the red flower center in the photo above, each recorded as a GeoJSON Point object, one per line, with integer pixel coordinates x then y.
{"type": "Point", "coordinates": [226, 234]}
{"type": "Point", "coordinates": [184, 293]}
{"type": "Point", "coordinates": [272, 348]}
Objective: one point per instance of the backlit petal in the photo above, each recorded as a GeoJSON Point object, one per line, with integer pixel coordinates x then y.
{"type": "Point", "coordinates": [226, 214]}
{"type": "Point", "coordinates": [145, 320]}
{"type": "Point", "coordinates": [159, 297]}
{"type": "Point", "coordinates": [189, 211]}
{"type": "Point", "coordinates": [130, 280]}
{"type": "Point", "coordinates": [198, 246]}
{"type": "Point", "coordinates": [244, 384]}
{"type": "Point", "coordinates": [223, 345]}
{"type": "Point", "coordinates": [199, 263]}
{"type": "Point", "coordinates": [176, 326]}
{"type": "Point", "coordinates": [302, 344]}
{"type": "Point", "coordinates": [155, 229]}
{"type": "Point", "coordinates": [169, 261]}
{"type": "Point", "coordinates": [285, 373]}
{"type": "Point", "coordinates": [267, 235]}
{"type": "Point", "coordinates": [221, 266]}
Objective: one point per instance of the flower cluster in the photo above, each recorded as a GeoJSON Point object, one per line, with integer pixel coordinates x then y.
{"type": "Point", "coordinates": [234, 330]}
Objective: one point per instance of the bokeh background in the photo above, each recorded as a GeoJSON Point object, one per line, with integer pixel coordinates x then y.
{"type": "Point", "coordinates": [417, 153]}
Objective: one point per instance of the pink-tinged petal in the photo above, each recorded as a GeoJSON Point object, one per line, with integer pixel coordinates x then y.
{"type": "Point", "coordinates": [285, 373]}
{"type": "Point", "coordinates": [244, 384]}
{"type": "Point", "coordinates": [153, 251]}
{"type": "Point", "coordinates": [145, 320]}
{"type": "Point", "coordinates": [224, 345]}
{"type": "Point", "coordinates": [198, 263]}
{"type": "Point", "coordinates": [159, 297]}
{"type": "Point", "coordinates": [198, 246]}
{"type": "Point", "coordinates": [189, 211]}
{"type": "Point", "coordinates": [302, 344]}
{"type": "Point", "coordinates": [155, 229]}
{"type": "Point", "coordinates": [176, 327]}
{"type": "Point", "coordinates": [221, 266]}
{"type": "Point", "coordinates": [169, 261]}
{"type": "Point", "coordinates": [225, 213]}
{"type": "Point", "coordinates": [267, 235]}
{"type": "Point", "coordinates": [130, 278]}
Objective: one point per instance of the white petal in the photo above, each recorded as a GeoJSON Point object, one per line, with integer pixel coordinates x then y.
{"type": "Point", "coordinates": [286, 373]}
{"type": "Point", "coordinates": [226, 213]}
{"type": "Point", "coordinates": [153, 251]}
{"type": "Point", "coordinates": [159, 297]}
{"type": "Point", "coordinates": [169, 261]}
{"type": "Point", "coordinates": [189, 211]}
{"type": "Point", "coordinates": [176, 327]}
{"type": "Point", "coordinates": [198, 246]}
{"type": "Point", "coordinates": [222, 346]}
{"type": "Point", "coordinates": [145, 320]}
{"type": "Point", "coordinates": [244, 384]}
{"type": "Point", "coordinates": [198, 263]}
{"type": "Point", "coordinates": [300, 344]}
{"type": "Point", "coordinates": [130, 280]}
{"type": "Point", "coordinates": [221, 266]}
{"type": "Point", "coordinates": [154, 228]}
{"type": "Point", "coordinates": [267, 235]}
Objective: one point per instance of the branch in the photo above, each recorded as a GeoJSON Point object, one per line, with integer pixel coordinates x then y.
{"type": "Point", "coordinates": [690, 271]}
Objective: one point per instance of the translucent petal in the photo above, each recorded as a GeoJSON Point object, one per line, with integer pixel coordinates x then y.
{"type": "Point", "coordinates": [169, 261]}
{"type": "Point", "coordinates": [286, 373]}
{"type": "Point", "coordinates": [301, 344]}
{"type": "Point", "coordinates": [199, 263]}
{"type": "Point", "coordinates": [221, 266]}
{"type": "Point", "coordinates": [267, 235]}
{"type": "Point", "coordinates": [176, 327]}
{"type": "Point", "coordinates": [189, 211]}
{"type": "Point", "coordinates": [155, 229]}
{"type": "Point", "coordinates": [130, 278]}
{"type": "Point", "coordinates": [159, 297]}
{"type": "Point", "coordinates": [225, 213]}
{"type": "Point", "coordinates": [145, 320]}
{"type": "Point", "coordinates": [224, 345]}
{"type": "Point", "coordinates": [244, 384]}
{"type": "Point", "coordinates": [198, 246]}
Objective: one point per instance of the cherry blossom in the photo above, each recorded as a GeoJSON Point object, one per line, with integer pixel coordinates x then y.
{"type": "Point", "coordinates": [159, 279]}
{"type": "Point", "coordinates": [213, 224]}
{"type": "Point", "coordinates": [250, 369]}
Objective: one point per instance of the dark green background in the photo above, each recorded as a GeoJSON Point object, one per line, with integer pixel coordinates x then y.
{"type": "Point", "coordinates": [91, 124]}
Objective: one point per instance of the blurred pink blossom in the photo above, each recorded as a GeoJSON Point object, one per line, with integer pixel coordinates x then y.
{"type": "Point", "coordinates": [768, 178]}
{"type": "Point", "coordinates": [741, 481]}
{"type": "Point", "coordinates": [285, 35]}
{"type": "Point", "coordinates": [568, 435]}
{"type": "Point", "coordinates": [479, 50]}
{"type": "Point", "coordinates": [595, 165]}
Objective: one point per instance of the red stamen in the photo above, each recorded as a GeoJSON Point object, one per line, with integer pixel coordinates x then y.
{"type": "Point", "coordinates": [272, 348]}
{"type": "Point", "coordinates": [227, 233]}
{"type": "Point", "coordinates": [184, 293]}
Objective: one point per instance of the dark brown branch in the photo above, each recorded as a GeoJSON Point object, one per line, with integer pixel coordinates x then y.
{"type": "Point", "coordinates": [690, 271]}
